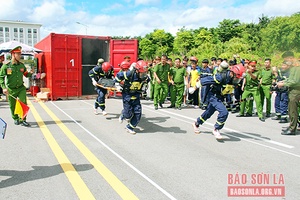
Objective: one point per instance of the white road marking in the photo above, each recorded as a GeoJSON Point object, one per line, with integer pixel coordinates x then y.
{"type": "Point", "coordinates": [119, 156]}
{"type": "Point", "coordinates": [171, 114]}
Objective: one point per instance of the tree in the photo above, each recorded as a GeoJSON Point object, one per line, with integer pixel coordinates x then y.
{"type": "Point", "coordinates": [282, 34]}
{"type": "Point", "coordinates": [228, 29]}
{"type": "Point", "coordinates": [183, 41]}
{"type": "Point", "coordinates": [147, 48]}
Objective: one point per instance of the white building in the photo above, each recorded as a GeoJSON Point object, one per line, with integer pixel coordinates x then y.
{"type": "Point", "coordinates": [24, 32]}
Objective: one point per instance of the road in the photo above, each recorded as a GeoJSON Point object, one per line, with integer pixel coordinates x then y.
{"type": "Point", "coordinates": [70, 153]}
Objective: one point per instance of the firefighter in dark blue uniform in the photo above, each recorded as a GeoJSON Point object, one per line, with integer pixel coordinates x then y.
{"type": "Point", "coordinates": [216, 83]}
{"type": "Point", "coordinates": [101, 70]}
{"type": "Point", "coordinates": [132, 82]}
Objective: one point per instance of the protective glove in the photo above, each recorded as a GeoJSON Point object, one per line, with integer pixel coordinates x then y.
{"type": "Point", "coordinates": [94, 82]}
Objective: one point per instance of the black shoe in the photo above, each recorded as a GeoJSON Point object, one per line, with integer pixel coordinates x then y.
{"type": "Point", "coordinates": [160, 105]}
{"type": "Point", "coordinates": [16, 122]}
{"type": "Point", "coordinates": [262, 119]}
{"type": "Point", "coordinates": [240, 115]}
{"type": "Point", "coordinates": [170, 106]}
{"type": "Point", "coordinates": [268, 115]}
{"type": "Point", "coordinates": [277, 117]}
{"type": "Point", "coordinates": [24, 123]}
{"type": "Point", "coordinates": [288, 132]}
{"type": "Point", "coordinates": [248, 115]}
{"type": "Point", "coordinates": [179, 108]}
{"type": "Point", "coordinates": [156, 108]}
{"type": "Point", "coordinates": [283, 120]}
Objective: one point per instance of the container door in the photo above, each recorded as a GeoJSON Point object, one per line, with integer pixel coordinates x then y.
{"type": "Point", "coordinates": [66, 61]}
{"type": "Point", "coordinates": [121, 48]}
{"type": "Point", "coordinates": [92, 50]}
{"type": "Point", "coordinates": [73, 67]}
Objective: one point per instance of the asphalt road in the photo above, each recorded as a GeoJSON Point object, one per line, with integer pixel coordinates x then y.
{"type": "Point", "coordinates": [70, 153]}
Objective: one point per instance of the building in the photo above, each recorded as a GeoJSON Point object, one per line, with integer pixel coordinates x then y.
{"type": "Point", "coordinates": [24, 32]}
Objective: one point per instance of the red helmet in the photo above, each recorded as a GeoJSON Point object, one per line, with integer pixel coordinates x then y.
{"type": "Point", "coordinates": [141, 66]}
{"type": "Point", "coordinates": [106, 67]}
{"type": "Point", "coordinates": [238, 70]}
{"type": "Point", "coordinates": [125, 65]}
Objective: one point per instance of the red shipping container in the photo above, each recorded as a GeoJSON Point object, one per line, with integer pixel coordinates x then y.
{"type": "Point", "coordinates": [67, 58]}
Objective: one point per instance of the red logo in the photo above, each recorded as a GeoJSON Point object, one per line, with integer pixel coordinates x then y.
{"type": "Point", "coordinates": [255, 185]}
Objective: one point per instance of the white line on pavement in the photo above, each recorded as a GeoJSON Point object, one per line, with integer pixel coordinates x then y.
{"type": "Point", "coordinates": [119, 156]}
{"type": "Point", "coordinates": [225, 128]}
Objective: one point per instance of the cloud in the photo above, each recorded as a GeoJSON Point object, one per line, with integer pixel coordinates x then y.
{"type": "Point", "coordinates": [140, 16]}
{"type": "Point", "coordinates": [146, 2]}
{"type": "Point", "coordinates": [48, 11]}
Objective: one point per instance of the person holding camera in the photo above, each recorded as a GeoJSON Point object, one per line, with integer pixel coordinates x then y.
{"type": "Point", "coordinates": [293, 83]}
{"type": "Point", "coordinates": [282, 97]}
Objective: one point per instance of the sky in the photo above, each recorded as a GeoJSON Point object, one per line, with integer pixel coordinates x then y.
{"type": "Point", "coordinates": [138, 17]}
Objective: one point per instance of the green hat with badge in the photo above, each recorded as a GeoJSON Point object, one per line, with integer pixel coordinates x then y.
{"type": "Point", "coordinates": [17, 49]}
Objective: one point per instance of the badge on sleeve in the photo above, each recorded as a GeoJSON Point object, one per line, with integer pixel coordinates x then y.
{"type": "Point", "coordinates": [8, 71]}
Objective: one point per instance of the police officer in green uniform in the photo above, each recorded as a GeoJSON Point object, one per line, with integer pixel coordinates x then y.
{"type": "Point", "coordinates": [152, 81]}
{"type": "Point", "coordinates": [14, 72]}
{"type": "Point", "coordinates": [161, 73]}
{"type": "Point", "coordinates": [178, 76]}
{"type": "Point", "coordinates": [293, 82]}
{"type": "Point", "coordinates": [266, 80]}
{"type": "Point", "coordinates": [251, 88]}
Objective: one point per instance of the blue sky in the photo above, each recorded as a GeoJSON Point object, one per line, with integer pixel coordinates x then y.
{"type": "Point", "coordinates": [138, 17]}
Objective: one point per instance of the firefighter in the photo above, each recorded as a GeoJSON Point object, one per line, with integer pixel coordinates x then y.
{"type": "Point", "coordinates": [251, 88]}
{"type": "Point", "coordinates": [240, 72]}
{"type": "Point", "coordinates": [204, 71]}
{"type": "Point", "coordinates": [103, 70]}
{"type": "Point", "coordinates": [216, 83]}
{"type": "Point", "coordinates": [11, 80]}
{"type": "Point", "coordinates": [132, 82]}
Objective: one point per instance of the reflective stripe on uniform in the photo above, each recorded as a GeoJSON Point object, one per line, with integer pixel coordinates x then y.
{"type": "Point", "coordinates": [94, 71]}
{"type": "Point", "coordinates": [125, 76]}
{"type": "Point", "coordinates": [220, 123]}
{"type": "Point", "coordinates": [216, 79]}
{"type": "Point", "coordinates": [202, 119]}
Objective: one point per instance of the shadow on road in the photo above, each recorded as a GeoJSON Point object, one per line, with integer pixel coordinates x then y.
{"type": "Point", "coordinates": [38, 172]}
{"type": "Point", "coordinates": [151, 125]}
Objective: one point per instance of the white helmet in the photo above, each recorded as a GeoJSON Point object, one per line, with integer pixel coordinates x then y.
{"type": "Point", "coordinates": [224, 65]}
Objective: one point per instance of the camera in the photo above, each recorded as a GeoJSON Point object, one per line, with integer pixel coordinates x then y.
{"type": "Point", "coordinates": [274, 87]}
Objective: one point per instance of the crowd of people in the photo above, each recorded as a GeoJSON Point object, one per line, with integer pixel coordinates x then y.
{"type": "Point", "coordinates": [217, 85]}
{"type": "Point", "coordinates": [212, 85]}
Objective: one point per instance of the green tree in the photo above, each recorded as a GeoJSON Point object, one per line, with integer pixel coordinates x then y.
{"type": "Point", "coordinates": [281, 34]}
{"type": "Point", "coordinates": [228, 29]}
{"type": "Point", "coordinates": [147, 48]}
{"type": "Point", "coordinates": [164, 41]}
{"type": "Point", "coordinates": [183, 41]}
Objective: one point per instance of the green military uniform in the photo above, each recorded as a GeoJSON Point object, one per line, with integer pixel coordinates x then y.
{"type": "Point", "coordinates": [293, 82]}
{"type": "Point", "coordinates": [266, 82]}
{"type": "Point", "coordinates": [177, 89]}
{"type": "Point", "coordinates": [161, 89]}
{"type": "Point", "coordinates": [152, 82]}
{"type": "Point", "coordinates": [251, 89]}
{"type": "Point", "coordinates": [11, 78]}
